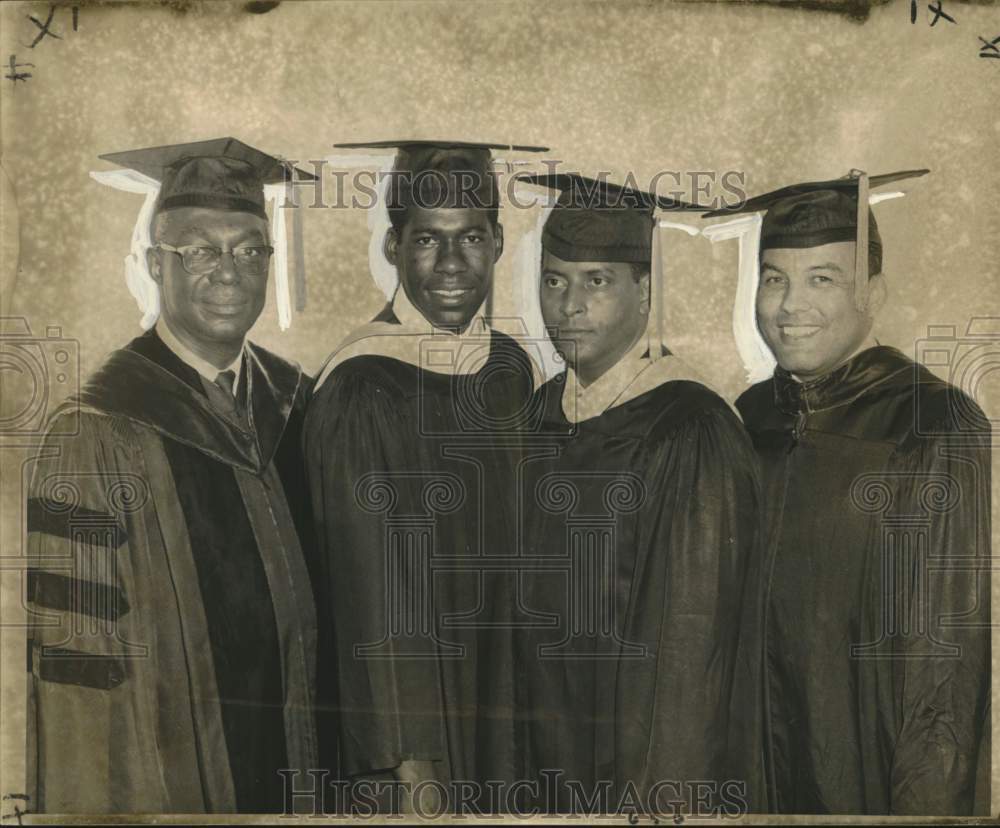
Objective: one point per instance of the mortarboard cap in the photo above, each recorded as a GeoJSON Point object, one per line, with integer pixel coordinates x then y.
{"type": "Point", "coordinates": [425, 173]}
{"type": "Point", "coordinates": [222, 173]}
{"type": "Point", "coordinates": [815, 213]}
{"type": "Point", "coordinates": [847, 185]}
{"type": "Point", "coordinates": [595, 220]}
{"type": "Point", "coordinates": [419, 154]}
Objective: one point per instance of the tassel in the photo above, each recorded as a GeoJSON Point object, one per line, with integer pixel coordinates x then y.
{"type": "Point", "coordinates": [298, 259]}
{"type": "Point", "coordinates": [279, 235]}
{"type": "Point", "coordinates": [654, 328]}
{"type": "Point", "coordinates": [861, 250]}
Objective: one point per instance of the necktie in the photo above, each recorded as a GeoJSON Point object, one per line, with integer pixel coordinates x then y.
{"type": "Point", "coordinates": [220, 394]}
{"type": "Point", "coordinates": [227, 381]}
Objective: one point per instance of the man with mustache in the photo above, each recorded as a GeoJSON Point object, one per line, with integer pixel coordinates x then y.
{"type": "Point", "coordinates": [168, 524]}
{"type": "Point", "coordinates": [649, 494]}
{"type": "Point", "coordinates": [412, 473]}
{"type": "Point", "coordinates": [876, 602]}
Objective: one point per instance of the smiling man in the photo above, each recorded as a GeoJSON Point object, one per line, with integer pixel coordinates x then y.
{"type": "Point", "coordinates": [649, 494]}
{"type": "Point", "coordinates": [876, 639]}
{"type": "Point", "coordinates": [183, 677]}
{"type": "Point", "coordinates": [805, 307]}
{"type": "Point", "coordinates": [412, 473]}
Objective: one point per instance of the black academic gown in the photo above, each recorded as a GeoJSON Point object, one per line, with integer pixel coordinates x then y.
{"type": "Point", "coordinates": [412, 479]}
{"type": "Point", "coordinates": [173, 644]}
{"type": "Point", "coordinates": [641, 526]}
{"type": "Point", "coordinates": [876, 598]}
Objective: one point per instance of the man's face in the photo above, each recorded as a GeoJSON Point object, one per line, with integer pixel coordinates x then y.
{"type": "Point", "coordinates": [599, 308]}
{"type": "Point", "coordinates": [215, 307]}
{"type": "Point", "coordinates": [444, 258]}
{"type": "Point", "coordinates": [805, 307]}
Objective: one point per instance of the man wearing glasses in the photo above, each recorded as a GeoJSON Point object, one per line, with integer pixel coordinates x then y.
{"type": "Point", "coordinates": [192, 682]}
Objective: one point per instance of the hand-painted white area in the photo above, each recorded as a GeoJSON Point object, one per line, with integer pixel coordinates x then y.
{"type": "Point", "coordinates": [757, 357]}
{"type": "Point", "coordinates": [527, 283]}
{"type": "Point", "coordinates": [383, 273]}
{"type": "Point", "coordinates": [657, 287]}
{"type": "Point", "coordinates": [140, 284]}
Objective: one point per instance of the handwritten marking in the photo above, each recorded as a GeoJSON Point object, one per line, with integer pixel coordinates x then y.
{"type": "Point", "coordinates": [44, 27]}
{"type": "Point", "coordinates": [18, 813]}
{"type": "Point", "coordinates": [939, 12]}
{"type": "Point", "coordinates": [936, 8]}
{"type": "Point", "coordinates": [14, 75]}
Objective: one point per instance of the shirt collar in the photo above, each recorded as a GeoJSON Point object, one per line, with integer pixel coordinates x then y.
{"type": "Point", "coordinates": [608, 390]}
{"type": "Point", "coordinates": [185, 354]}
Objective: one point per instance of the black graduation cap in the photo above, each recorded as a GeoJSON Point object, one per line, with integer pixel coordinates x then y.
{"type": "Point", "coordinates": [441, 160]}
{"type": "Point", "coordinates": [222, 173]}
{"type": "Point", "coordinates": [847, 185]}
{"type": "Point", "coordinates": [815, 213]}
{"type": "Point", "coordinates": [408, 143]}
{"type": "Point", "coordinates": [595, 220]}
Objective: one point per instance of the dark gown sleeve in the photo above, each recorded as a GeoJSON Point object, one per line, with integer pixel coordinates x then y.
{"type": "Point", "coordinates": [360, 443]}
{"type": "Point", "coordinates": [83, 674]}
{"type": "Point", "coordinates": [692, 562]}
{"type": "Point", "coordinates": [940, 764]}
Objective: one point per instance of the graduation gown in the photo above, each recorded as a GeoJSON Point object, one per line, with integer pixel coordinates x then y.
{"type": "Point", "coordinates": [641, 526]}
{"type": "Point", "coordinates": [412, 473]}
{"type": "Point", "coordinates": [876, 640]}
{"type": "Point", "coordinates": [173, 629]}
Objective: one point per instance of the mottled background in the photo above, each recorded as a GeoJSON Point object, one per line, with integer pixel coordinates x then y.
{"type": "Point", "coordinates": [781, 92]}
{"type": "Point", "coordinates": [778, 93]}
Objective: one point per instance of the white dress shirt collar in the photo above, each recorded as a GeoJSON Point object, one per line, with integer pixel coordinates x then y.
{"type": "Point", "coordinates": [186, 355]}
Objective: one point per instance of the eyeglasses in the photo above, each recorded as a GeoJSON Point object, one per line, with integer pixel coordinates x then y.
{"type": "Point", "coordinates": [199, 260]}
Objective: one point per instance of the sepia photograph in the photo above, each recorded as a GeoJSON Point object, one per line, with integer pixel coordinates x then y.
{"type": "Point", "coordinates": [498, 411]}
